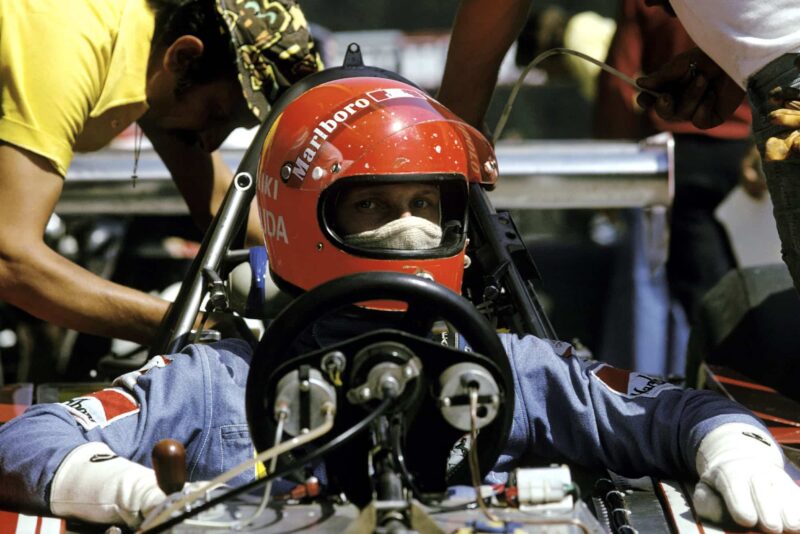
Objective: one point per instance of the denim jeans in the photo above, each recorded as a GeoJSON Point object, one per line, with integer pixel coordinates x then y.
{"type": "Point", "coordinates": [783, 177]}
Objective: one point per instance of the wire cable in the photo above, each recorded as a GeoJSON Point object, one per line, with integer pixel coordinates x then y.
{"type": "Point", "coordinates": [400, 461]}
{"type": "Point", "coordinates": [332, 445]}
{"type": "Point", "coordinates": [501, 123]}
{"type": "Point", "coordinates": [436, 507]}
{"type": "Point", "coordinates": [474, 465]}
{"type": "Point", "coordinates": [241, 523]}
{"type": "Point", "coordinates": [272, 452]}
{"type": "Point", "coordinates": [268, 486]}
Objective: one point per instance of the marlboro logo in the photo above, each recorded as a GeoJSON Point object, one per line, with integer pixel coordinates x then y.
{"type": "Point", "coordinates": [326, 127]}
{"type": "Point", "coordinates": [630, 384]}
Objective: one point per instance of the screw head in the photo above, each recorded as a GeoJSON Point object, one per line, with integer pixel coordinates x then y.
{"type": "Point", "coordinates": [286, 171]}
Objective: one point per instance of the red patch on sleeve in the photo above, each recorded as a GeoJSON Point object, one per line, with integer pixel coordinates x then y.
{"type": "Point", "coordinates": [101, 408]}
{"type": "Point", "coordinates": [115, 403]}
{"type": "Point", "coordinates": [616, 379]}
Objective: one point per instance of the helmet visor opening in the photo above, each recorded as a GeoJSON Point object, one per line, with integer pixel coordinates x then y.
{"type": "Point", "coordinates": [397, 216]}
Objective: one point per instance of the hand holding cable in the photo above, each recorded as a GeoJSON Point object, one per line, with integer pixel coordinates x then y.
{"type": "Point", "coordinates": [692, 88]}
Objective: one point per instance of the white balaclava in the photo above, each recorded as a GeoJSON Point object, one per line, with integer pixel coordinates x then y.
{"type": "Point", "coordinates": [405, 233]}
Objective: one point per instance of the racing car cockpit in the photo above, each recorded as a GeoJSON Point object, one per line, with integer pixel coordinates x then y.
{"type": "Point", "coordinates": [427, 376]}
{"type": "Point", "coordinates": [408, 381]}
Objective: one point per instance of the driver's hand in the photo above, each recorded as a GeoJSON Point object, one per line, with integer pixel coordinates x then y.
{"type": "Point", "coordinates": [741, 466]}
{"type": "Point", "coordinates": [113, 491]}
{"type": "Point", "coordinates": [693, 88]}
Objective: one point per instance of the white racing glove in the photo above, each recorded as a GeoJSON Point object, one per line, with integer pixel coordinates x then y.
{"type": "Point", "coordinates": [745, 467]}
{"type": "Point", "coordinates": [94, 484]}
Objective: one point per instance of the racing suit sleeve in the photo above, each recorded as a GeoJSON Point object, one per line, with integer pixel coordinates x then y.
{"type": "Point", "coordinates": [599, 417]}
{"type": "Point", "coordinates": [174, 396]}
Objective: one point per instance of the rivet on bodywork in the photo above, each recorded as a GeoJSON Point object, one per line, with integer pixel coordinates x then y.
{"type": "Point", "coordinates": [286, 171]}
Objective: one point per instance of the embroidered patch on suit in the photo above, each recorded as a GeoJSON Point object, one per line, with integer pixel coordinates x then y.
{"type": "Point", "coordinates": [629, 383]}
{"type": "Point", "coordinates": [101, 408]}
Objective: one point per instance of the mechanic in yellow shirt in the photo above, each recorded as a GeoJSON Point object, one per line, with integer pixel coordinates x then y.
{"type": "Point", "coordinates": [75, 73]}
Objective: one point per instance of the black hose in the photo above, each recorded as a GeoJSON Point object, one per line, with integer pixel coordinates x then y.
{"type": "Point", "coordinates": [435, 506]}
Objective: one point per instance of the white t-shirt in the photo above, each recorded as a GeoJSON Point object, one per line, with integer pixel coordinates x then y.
{"type": "Point", "coordinates": [742, 35]}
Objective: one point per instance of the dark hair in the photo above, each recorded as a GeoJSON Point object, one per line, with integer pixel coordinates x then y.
{"type": "Point", "coordinates": [200, 18]}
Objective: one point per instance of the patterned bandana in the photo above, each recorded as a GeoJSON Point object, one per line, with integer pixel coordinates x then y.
{"type": "Point", "coordinates": [273, 48]}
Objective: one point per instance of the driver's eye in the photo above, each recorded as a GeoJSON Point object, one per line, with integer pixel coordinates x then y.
{"type": "Point", "coordinates": [420, 203]}
{"type": "Point", "coordinates": [366, 204]}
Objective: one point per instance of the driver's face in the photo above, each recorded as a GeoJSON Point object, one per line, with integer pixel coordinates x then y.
{"type": "Point", "coordinates": [367, 207]}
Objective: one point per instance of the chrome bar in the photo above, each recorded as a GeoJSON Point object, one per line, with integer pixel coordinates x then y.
{"type": "Point", "coordinates": [534, 174]}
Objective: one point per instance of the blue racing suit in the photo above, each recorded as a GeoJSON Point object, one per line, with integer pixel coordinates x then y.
{"type": "Point", "coordinates": [566, 408]}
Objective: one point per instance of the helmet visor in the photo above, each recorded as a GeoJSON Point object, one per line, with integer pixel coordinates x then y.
{"type": "Point", "coordinates": [397, 216]}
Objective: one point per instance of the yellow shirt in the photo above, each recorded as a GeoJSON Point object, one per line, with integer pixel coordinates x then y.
{"type": "Point", "coordinates": [72, 73]}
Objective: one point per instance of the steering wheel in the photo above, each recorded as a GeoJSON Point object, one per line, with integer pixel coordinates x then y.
{"type": "Point", "coordinates": [426, 303]}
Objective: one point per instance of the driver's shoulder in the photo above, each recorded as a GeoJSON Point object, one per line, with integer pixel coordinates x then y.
{"type": "Point", "coordinates": [529, 354]}
{"type": "Point", "coordinates": [529, 344]}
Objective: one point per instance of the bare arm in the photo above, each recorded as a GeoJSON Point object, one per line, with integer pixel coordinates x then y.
{"type": "Point", "coordinates": [38, 280]}
{"type": "Point", "coordinates": [483, 31]}
{"type": "Point", "coordinates": [203, 179]}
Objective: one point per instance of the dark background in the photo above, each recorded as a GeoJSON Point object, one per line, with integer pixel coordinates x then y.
{"type": "Point", "coordinates": [350, 15]}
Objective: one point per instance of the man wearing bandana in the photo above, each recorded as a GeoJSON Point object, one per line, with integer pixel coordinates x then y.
{"type": "Point", "coordinates": [76, 73]}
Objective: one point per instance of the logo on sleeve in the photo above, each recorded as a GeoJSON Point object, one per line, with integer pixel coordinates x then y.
{"type": "Point", "coordinates": [101, 408]}
{"type": "Point", "coordinates": [757, 437]}
{"type": "Point", "coordinates": [630, 384]}
{"type": "Point", "coordinates": [99, 458]}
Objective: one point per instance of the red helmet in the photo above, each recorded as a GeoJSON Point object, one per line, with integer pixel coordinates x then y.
{"type": "Point", "coordinates": [349, 135]}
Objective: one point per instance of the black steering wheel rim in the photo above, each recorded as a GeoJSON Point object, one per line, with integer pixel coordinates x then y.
{"type": "Point", "coordinates": [422, 296]}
